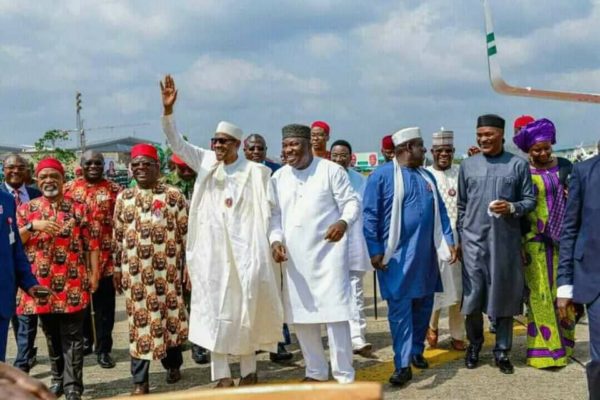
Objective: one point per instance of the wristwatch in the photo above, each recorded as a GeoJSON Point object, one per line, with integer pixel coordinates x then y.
{"type": "Point", "coordinates": [29, 226]}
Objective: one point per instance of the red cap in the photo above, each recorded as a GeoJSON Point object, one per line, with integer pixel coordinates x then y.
{"type": "Point", "coordinates": [50, 163]}
{"type": "Point", "coordinates": [523, 120]}
{"type": "Point", "coordinates": [321, 124]}
{"type": "Point", "coordinates": [387, 143]}
{"type": "Point", "coordinates": [178, 161]}
{"type": "Point", "coordinates": [144, 149]}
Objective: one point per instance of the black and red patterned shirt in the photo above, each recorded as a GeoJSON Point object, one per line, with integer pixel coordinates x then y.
{"type": "Point", "coordinates": [58, 262]}
{"type": "Point", "coordinates": [100, 199]}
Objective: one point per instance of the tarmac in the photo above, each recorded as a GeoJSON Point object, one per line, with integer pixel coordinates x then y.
{"type": "Point", "coordinates": [447, 378]}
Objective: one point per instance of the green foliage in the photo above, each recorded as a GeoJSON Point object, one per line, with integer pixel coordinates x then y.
{"type": "Point", "coordinates": [48, 145]}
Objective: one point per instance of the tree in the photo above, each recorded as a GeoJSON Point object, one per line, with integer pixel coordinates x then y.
{"type": "Point", "coordinates": [47, 145]}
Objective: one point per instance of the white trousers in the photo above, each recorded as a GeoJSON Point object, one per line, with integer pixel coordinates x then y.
{"type": "Point", "coordinates": [456, 321]}
{"type": "Point", "coordinates": [219, 365]}
{"type": "Point", "coordinates": [340, 351]}
{"type": "Point", "coordinates": [358, 323]}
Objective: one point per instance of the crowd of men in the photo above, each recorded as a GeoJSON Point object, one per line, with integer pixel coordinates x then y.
{"type": "Point", "coordinates": [229, 252]}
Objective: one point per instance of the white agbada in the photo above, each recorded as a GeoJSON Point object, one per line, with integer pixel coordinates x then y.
{"type": "Point", "coordinates": [236, 307]}
{"type": "Point", "coordinates": [358, 254]}
{"type": "Point", "coordinates": [451, 274]}
{"type": "Point", "coordinates": [316, 286]}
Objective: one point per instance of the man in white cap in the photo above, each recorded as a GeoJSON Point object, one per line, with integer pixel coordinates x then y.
{"type": "Point", "coordinates": [235, 305]}
{"type": "Point", "coordinates": [405, 225]}
{"type": "Point", "coordinates": [446, 176]}
{"type": "Point", "coordinates": [314, 206]}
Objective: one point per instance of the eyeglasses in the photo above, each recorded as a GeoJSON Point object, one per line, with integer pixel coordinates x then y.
{"type": "Point", "coordinates": [256, 148]}
{"type": "Point", "coordinates": [97, 163]}
{"type": "Point", "coordinates": [221, 140]}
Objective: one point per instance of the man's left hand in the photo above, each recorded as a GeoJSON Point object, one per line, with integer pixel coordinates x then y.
{"type": "Point", "coordinates": [453, 254]}
{"type": "Point", "coordinates": [501, 207]}
{"type": "Point", "coordinates": [336, 231]}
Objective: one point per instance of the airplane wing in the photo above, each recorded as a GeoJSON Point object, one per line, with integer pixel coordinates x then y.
{"type": "Point", "coordinates": [502, 87]}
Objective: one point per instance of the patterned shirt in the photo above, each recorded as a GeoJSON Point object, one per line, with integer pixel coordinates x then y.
{"type": "Point", "coordinates": [447, 182]}
{"type": "Point", "coordinates": [58, 262]}
{"type": "Point", "coordinates": [100, 198]}
{"type": "Point", "coordinates": [150, 227]}
{"type": "Point", "coordinates": [186, 187]}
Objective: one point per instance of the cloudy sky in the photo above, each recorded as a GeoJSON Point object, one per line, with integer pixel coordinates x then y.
{"type": "Point", "coordinates": [368, 68]}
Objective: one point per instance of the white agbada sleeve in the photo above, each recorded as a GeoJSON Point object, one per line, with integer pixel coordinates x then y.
{"type": "Point", "coordinates": [345, 197]}
{"type": "Point", "coordinates": [192, 155]}
{"type": "Point", "coordinates": [275, 225]}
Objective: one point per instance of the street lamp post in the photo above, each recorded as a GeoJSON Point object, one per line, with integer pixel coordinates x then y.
{"type": "Point", "coordinates": [79, 122]}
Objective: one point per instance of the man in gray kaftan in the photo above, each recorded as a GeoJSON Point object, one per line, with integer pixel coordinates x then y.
{"type": "Point", "coordinates": [494, 192]}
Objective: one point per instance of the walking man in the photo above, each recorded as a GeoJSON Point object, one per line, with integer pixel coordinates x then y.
{"type": "Point", "coordinates": [407, 229]}
{"type": "Point", "coordinates": [494, 193]}
{"type": "Point", "coordinates": [313, 206]}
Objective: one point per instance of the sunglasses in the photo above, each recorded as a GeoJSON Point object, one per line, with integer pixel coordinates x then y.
{"type": "Point", "coordinates": [97, 163]}
{"type": "Point", "coordinates": [221, 141]}
{"type": "Point", "coordinates": [256, 148]}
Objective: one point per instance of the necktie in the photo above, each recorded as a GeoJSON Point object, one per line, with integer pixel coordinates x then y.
{"type": "Point", "coordinates": [17, 197]}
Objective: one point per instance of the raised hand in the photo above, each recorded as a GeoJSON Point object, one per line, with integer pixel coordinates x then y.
{"type": "Point", "coordinates": [169, 94]}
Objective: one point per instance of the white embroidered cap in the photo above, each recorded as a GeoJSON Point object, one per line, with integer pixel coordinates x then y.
{"type": "Point", "coordinates": [230, 129]}
{"type": "Point", "coordinates": [406, 134]}
{"type": "Point", "coordinates": [443, 137]}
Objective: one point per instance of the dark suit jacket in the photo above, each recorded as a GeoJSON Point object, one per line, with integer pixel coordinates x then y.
{"type": "Point", "coordinates": [14, 266]}
{"type": "Point", "coordinates": [33, 192]}
{"type": "Point", "coordinates": [272, 166]}
{"type": "Point", "coordinates": [580, 240]}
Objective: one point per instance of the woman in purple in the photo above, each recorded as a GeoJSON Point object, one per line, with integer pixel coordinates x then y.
{"type": "Point", "coordinates": [549, 340]}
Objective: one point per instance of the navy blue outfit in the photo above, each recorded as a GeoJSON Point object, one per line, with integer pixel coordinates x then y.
{"type": "Point", "coordinates": [579, 253]}
{"type": "Point", "coordinates": [25, 326]}
{"type": "Point", "coordinates": [286, 331]}
{"type": "Point", "coordinates": [272, 166]}
{"type": "Point", "coordinates": [15, 270]}
{"type": "Point", "coordinates": [412, 275]}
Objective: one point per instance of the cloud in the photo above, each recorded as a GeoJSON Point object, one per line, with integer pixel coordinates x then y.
{"type": "Point", "coordinates": [213, 79]}
{"type": "Point", "coordinates": [324, 45]}
{"type": "Point", "coordinates": [368, 68]}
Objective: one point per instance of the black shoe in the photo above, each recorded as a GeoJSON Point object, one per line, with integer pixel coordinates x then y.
{"type": "Point", "coordinates": [173, 375]}
{"type": "Point", "coordinates": [88, 347]}
{"type": "Point", "coordinates": [32, 362]}
{"type": "Point", "coordinates": [472, 357]}
{"type": "Point", "coordinates": [503, 363]}
{"type": "Point", "coordinates": [419, 361]}
{"type": "Point", "coordinates": [400, 378]}
{"type": "Point", "coordinates": [73, 395]}
{"type": "Point", "coordinates": [281, 355]}
{"type": "Point", "coordinates": [105, 360]}
{"type": "Point", "coordinates": [56, 389]}
{"type": "Point", "coordinates": [199, 355]}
